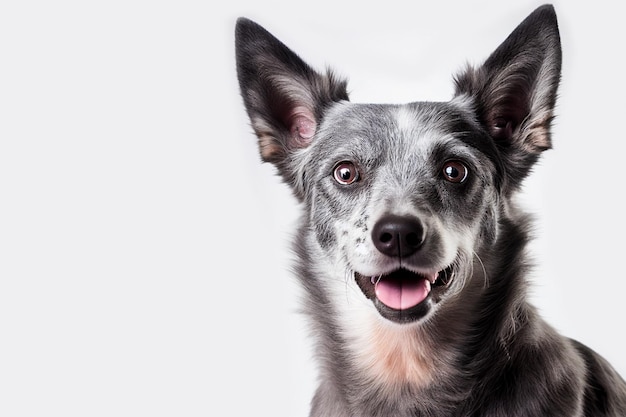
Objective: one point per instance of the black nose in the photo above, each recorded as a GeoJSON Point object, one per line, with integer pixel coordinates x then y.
{"type": "Point", "coordinates": [399, 236]}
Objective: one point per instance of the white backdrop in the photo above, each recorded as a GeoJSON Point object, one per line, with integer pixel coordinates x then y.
{"type": "Point", "coordinates": [144, 261]}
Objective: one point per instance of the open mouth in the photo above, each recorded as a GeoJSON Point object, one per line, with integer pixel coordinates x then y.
{"type": "Point", "coordinates": [403, 295]}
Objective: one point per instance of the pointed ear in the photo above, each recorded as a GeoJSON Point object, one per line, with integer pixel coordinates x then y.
{"type": "Point", "coordinates": [284, 97]}
{"type": "Point", "coordinates": [514, 91]}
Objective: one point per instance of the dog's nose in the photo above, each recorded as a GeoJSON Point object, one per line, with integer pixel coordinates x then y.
{"type": "Point", "coordinates": [399, 236]}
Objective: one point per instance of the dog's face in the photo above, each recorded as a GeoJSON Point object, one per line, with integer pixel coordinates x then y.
{"type": "Point", "coordinates": [397, 198]}
{"type": "Point", "coordinates": [402, 201]}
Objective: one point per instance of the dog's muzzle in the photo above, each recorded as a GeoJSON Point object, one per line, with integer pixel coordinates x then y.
{"type": "Point", "coordinates": [402, 295]}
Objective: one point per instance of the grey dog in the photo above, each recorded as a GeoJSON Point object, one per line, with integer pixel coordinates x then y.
{"type": "Point", "coordinates": [411, 250]}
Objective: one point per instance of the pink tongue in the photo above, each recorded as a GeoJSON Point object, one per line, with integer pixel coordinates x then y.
{"type": "Point", "coordinates": [400, 293]}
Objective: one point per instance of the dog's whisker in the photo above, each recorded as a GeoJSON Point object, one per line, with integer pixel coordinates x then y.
{"type": "Point", "coordinates": [348, 277]}
{"type": "Point", "coordinates": [485, 275]}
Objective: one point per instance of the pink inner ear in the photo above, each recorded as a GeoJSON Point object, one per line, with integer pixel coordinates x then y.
{"type": "Point", "coordinates": [303, 126]}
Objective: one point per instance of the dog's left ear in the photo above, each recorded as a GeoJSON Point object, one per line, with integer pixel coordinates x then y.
{"type": "Point", "coordinates": [514, 91]}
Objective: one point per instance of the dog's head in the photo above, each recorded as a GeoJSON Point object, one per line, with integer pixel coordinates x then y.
{"type": "Point", "coordinates": [403, 199]}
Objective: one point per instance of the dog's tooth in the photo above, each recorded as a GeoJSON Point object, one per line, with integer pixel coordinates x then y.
{"type": "Point", "coordinates": [375, 280]}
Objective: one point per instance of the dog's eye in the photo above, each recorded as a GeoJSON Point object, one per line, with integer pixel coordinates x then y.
{"type": "Point", "coordinates": [455, 171]}
{"type": "Point", "coordinates": [345, 173]}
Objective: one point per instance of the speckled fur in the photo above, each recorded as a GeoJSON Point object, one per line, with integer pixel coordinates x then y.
{"type": "Point", "coordinates": [475, 347]}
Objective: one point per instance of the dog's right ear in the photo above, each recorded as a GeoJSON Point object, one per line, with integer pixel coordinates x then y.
{"type": "Point", "coordinates": [284, 97]}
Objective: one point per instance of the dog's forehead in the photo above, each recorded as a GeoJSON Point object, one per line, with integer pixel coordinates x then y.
{"type": "Point", "coordinates": [413, 127]}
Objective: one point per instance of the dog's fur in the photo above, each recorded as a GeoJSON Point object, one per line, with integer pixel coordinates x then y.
{"type": "Point", "coordinates": [404, 194]}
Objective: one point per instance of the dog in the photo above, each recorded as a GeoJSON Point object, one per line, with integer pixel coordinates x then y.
{"type": "Point", "coordinates": [411, 249]}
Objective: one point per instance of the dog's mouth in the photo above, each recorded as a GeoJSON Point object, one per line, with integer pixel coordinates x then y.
{"type": "Point", "coordinates": [403, 295]}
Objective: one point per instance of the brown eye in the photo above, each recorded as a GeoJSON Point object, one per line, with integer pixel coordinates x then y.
{"type": "Point", "coordinates": [454, 171]}
{"type": "Point", "coordinates": [345, 173]}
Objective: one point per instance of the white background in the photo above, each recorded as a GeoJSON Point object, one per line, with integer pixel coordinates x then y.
{"type": "Point", "coordinates": [144, 249]}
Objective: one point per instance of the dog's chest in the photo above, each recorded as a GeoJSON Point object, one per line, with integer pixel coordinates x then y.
{"type": "Point", "coordinates": [392, 356]}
